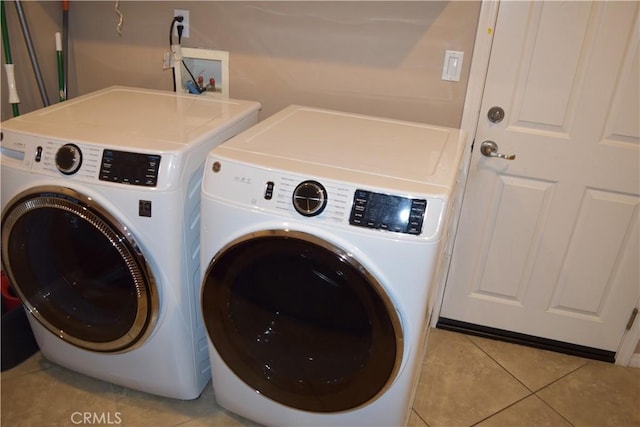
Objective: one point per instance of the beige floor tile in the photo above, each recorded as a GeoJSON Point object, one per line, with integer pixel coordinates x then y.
{"type": "Point", "coordinates": [529, 412]}
{"type": "Point", "coordinates": [535, 368]}
{"type": "Point", "coordinates": [144, 409]}
{"type": "Point", "coordinates": [33, 364]}
{"type": "Point", "coordinates": [220, 418]}
{"type": "Point", "coordinates": [416, 421]}
{"type": "Point", "coordinates": [460, 385]}
{"type": "Point", "coordinates": [55, 396]}
{"type": "Point", "coordinates": [598, 394]}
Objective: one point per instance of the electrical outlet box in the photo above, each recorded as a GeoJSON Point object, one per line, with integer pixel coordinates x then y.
{"type": "Point", "coordinates": [203, 64]}
{"type": "Point", "coordinates": [185, 22]}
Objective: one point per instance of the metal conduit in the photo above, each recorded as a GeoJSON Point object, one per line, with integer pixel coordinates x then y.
{"type": "Point", "coordinates": [32, 53]}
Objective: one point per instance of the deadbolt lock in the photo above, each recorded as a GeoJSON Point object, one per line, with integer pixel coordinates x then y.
{"type": "Point", "coordinates": [495, 114]}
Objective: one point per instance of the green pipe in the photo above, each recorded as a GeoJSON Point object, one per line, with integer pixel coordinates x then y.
{"type": "Point", "coordinates": [13, 95]}
{"type": "Point", "coordinates": [5, 35]}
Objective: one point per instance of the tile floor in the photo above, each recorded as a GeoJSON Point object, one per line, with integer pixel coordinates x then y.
{"type": "Point", "coordinates": [466, 381]}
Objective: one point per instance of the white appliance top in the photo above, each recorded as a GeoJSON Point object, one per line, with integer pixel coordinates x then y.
{"type": "Point", "coordinates": [133, 118]}
{"type": "Point", "coordinates": [409, 157]}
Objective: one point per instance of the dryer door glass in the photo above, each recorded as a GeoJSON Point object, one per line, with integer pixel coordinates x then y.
{"type": "Point", "coordinates": [76, 270]}
{"type": "Point", "coordinates": [301, 322]}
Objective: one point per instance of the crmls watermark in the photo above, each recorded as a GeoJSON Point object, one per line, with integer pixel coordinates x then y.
{"type": "Point", "coordinates": [96, 418]}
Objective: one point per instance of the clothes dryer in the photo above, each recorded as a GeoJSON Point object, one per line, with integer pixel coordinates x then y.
{"type": "Point", "coordinates": [100, 231]}
{"type": "Point", "coordinates": [322, 236]}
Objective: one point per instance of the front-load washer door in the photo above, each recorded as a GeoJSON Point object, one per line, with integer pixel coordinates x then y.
{"type": "Point", "coordinates": [301, 321]}
{"type": "Point", "coordinates": [78, 270]}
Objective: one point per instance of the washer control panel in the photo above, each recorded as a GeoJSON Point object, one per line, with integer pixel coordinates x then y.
{"type": "Point", "coordinates": [76, 161]}
{"type": "Point", "coordinates": [129, 168]}
{"type": "Point", "coordinates": [387, 212]}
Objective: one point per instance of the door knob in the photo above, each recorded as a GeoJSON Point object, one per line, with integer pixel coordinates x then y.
{"type": "Point", "coordinates": [490, 149]}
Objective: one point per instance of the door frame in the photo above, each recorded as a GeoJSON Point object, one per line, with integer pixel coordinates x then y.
{"type": "Point", "coordinates": [470, 115]}
{"type": "Point", "coordinates": [469, 123]}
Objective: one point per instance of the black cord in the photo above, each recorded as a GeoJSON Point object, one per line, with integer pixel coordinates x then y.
{"type": "Point", "coordinates": [173, 23]}
{"type": "Point", "coordinates": [200, 89]}
{"type": "Point", "coordinates": [180, 29]}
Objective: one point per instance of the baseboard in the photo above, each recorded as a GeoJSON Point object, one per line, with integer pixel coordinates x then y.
{"type": "Point", "coordinates": [635, 361]}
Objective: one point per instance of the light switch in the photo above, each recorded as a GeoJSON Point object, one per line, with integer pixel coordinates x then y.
{"type": "Point", "coordinates": [452, 66]}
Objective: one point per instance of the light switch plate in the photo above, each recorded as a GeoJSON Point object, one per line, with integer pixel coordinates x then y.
{"type": "Point", "coordinates": [452, 67]}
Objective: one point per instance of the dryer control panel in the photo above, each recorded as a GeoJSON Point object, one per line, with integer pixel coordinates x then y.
{"type": "Point", "coordinates": [387, 212]}
{"type": "Point", "coordinates": [317, 200]}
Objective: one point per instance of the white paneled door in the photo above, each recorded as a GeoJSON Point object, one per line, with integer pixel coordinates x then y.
{"type": "Point", "coordinates": [547, 243]}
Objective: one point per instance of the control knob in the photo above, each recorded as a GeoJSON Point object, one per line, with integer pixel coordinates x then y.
{"type": "Point", "coordinates": [68, 159]}
{"type": "Point", "coordinates": [309, 198]}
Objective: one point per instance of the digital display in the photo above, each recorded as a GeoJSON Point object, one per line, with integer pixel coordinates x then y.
{"type": "Point", "coordinates": [387, 212]}
{"type": "Point", "coordinates": [130, 168]}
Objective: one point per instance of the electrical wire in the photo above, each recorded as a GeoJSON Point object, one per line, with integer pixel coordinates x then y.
{"type": "Point", "coordinates": [120, 18]}
{"type": "Point", "coordinates": [200, 89]}
{"type": "Point", "coordinates": [173, 70]}
{"type": "Point", "coordinates": [180, 27]}
{"type": "Point", "coordinates": [173, 23]}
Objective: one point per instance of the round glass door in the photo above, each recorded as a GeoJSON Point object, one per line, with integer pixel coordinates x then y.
{"type": "Point", "coordinates": [301, 321]}
{"type": "Point", "coordinates": [77, 270]}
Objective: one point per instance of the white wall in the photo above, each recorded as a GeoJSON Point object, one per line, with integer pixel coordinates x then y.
{"type": "Point", "coordinates": [381, 58]}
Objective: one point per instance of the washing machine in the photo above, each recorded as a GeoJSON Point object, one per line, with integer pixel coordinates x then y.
{"type": "Point", "coordinates": [322, 233]}
{"type": "Point", "coordinates": [100, 231]}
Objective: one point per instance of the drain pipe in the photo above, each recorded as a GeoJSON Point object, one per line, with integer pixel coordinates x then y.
{"type": "Point", "coordinates": [32, 53]}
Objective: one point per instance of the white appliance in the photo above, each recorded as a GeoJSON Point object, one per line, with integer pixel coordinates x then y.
{"type": "Point", "coordinates": [100, 231]}
{"type": "Point", "coordinates": [322, 233]}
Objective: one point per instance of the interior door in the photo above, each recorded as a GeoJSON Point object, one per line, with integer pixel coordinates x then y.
{"type": "Point", "coordinates": [547, 243]}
